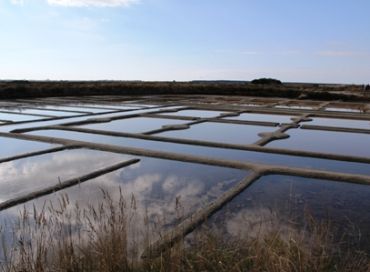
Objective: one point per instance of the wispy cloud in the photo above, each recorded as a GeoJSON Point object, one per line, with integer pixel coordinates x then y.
{"type": "Point", "coordinates": [96, 3]}
{"type": "Point", "coordinates": [288, 52]}
{"type": "Point", "coordinates": [250, 53]}
{"type": "Point", "coordinates": [84, 3]}
{"type": "Point", "coordinates": [82, 24]}
{"type": "Point", "coordinates": [17, 2]}
{"type": "Point", "coordinates": [334, 53]}
{"type": "Point", "coordinates": [231, 51]}
{"type": "Point", "coordinates": [260, 53]}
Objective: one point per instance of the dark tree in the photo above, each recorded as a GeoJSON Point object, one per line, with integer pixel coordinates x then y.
{"type": "Point", "coordinates": [268, 81]}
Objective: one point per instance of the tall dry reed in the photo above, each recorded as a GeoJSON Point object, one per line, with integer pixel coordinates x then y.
{"type": "Point", "coordinates": [111, 235]}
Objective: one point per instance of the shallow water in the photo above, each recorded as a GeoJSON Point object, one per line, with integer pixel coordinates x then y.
{"type": "Point", "coordinates": [73, 106]}
{"type": "Point", "coordinates": [172, 190]}
{"type": "Point", "coordinates": [45, 112]}
{"type": "Point", "coordinates": [220, 153]}
{"type": "Point", "coordinates": [105, 107]}
{"type": "Point", "coordinates": [223, 133]}
{"type": "Point", "coordinates": [262, 117]}
{"type": "Point", "coordinates": [86, 109]}
{"type": "Point", "coordinates": [18, 117]}
{"type": "Point", "coordinates": [11, 147]}
{"type": "Point", "coordinates": [41, 106]}
{"type": "Point", "coordinates": [23, 176]}
{"type": "Point", "coordinates": [37, 123]}
{"type": "Point", "coordinates": [196, 113]}
{"type": "Point", "coordinates": [273, 201]}
{"type": "Point", "coordinates": [161, 189]}
{"type": "Point", "coordinates": [342, 143]}
{"type": "Point", "coordinates": [294, 107]}
{"type": "Point", "coordinates": [343, 109]}
{"type": "Point", "coordinates": [250, 105]}
{"type": "Point", "coordinates": [332, 122]}
{"type": "Point", "coordinates": [135, 125]}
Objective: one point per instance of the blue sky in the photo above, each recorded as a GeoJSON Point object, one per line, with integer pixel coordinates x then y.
{"type": "Point", "coordinates": [306, 41]}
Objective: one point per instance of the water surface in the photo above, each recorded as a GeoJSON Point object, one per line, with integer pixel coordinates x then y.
{"type": "Point", "coordinates": [343, 109]}
{"type": "Point", "coordinates": [62, 121]}
{"type": "Point", "coordinates": [18, 117]}
{"type": "Point", "coordinates": [294, 107]}
{"type": "Point", "coordinates": [220, 153]}
{"type": "Point", "coordinates": [135, 125]}
{"type": "Point", "coordinates": [11, 147]}
{"type": "Point", "coordinates": [196, 113]}
{"type": "Point", "coordinates": [262, 117]}
{"type": "Point", "coordinates": [342, 143]}
{"type": "Point", "coordinates": [45, 112]}
{"type": "Point", "coordinates": [222, 133]}
{"type": "Point", "coordinates": [26, 175]}
{"type": "Point", "coordinates": [161, 189]}
{"type": "Point", "coordinates": [273, 202]}
{"type": "Point", "coordinates": [333, 122]}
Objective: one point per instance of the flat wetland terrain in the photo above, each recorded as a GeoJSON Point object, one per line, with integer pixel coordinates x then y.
{"type": "Point", "coordinates": [175, 176]}
{"type": "Point", "coordinates": [22, 89]}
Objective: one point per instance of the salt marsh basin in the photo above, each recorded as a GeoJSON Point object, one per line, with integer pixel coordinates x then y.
{"type": "Point", "coordinates": [204, 152]}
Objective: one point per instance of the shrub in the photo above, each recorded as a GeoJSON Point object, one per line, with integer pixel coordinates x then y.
{"type": "Point", "coordinates": [266, 81]}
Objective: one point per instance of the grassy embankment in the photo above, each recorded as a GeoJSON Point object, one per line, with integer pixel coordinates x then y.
{"type": "Point", "coordinates": [28, 89]}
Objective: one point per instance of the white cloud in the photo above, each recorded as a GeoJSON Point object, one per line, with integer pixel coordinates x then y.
{"type": "Point", "coordinates": [334, 53]}
{"type": "Point", "coordinates": [96, 3]}
{"type": "Point", "coordinates": [250, 53]}
{"type": "Point", "coordinates": [17, 2]}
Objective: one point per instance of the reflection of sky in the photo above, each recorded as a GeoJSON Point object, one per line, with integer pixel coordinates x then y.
{"type": "Point", "coordinates": [11, 127]}
{"type": "Point", "coordinates": [56, 107]}
{"type": "Point", "coordinates": [156, 184]}
{"type": "Point", "coordinates": [262, 117]}
{"type": "Point", "coordinates": [89, 107]}
{"type": "Point", "coordinates": [18, 117]}
{"type": "Point", "coordinates": [331, 122]}
{"type": "Point", "coordinates": [6, 104]}
{"type": "Point", "coordinates": [218, 132]}
{"type": "Point", "coordinates": [290, 198]}
{"type": "Point", "coordinates": [342, 109]}
{"type": "Point", "coordinates": [69, 120]}
{"type": "Point", "coordinates": [26, 175]}
{"type": "Point", "coordinates": [221, 153]}
{"type": "Point", "coordinates": [163, 191]}
{"type": "Point", "coordinates": [343, 143]}
{"type": "Point", "coordinates": [75, 107]}
{"type": "Point", "coordinates": [134, 125]}
{"type": "Point", "coordinates": [297, 107]}
{"type": "Point", "coordinates": [195, 113]}
{"type": "Point", "coordinates": [45, 112]}
{"type": "Point", "coordinates": [12, 147]}
{"type": "Point", "coordinates": [250, 223]}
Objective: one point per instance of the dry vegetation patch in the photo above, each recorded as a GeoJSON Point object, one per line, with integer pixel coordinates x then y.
{"type": "Point", "coordinates": [111, 236]}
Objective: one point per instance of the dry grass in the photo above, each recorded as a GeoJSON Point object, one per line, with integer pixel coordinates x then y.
{"type": "Point", "coordinates": [33, 89]}
{"type": "Point", "coordinates": [110, 237]}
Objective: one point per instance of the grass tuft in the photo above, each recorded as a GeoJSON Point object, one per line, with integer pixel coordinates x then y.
{"type": "Point", "coordinates": [111, 235]}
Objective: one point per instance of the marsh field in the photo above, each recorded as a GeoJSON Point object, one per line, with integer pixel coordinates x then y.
{"type": "Point", "coordinates": [185, 182]}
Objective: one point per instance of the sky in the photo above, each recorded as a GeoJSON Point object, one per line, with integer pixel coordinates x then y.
{"type": "Point", "coordinates": [292, 40]}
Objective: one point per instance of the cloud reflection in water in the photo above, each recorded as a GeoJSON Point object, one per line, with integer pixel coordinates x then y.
{"type": "Point", "coordinates": [26, 175]}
